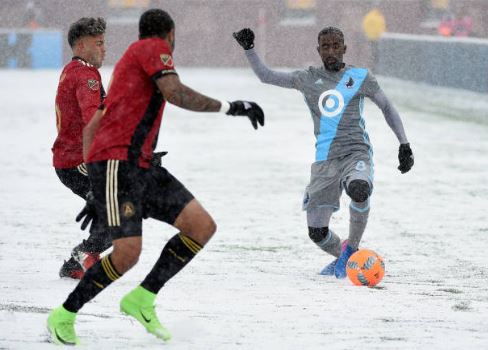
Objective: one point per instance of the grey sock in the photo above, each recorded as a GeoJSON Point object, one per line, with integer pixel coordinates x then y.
{"type": "Point", "coordinates": [358, 219]}
{"type": "Point", "coordinates": [331, 244]}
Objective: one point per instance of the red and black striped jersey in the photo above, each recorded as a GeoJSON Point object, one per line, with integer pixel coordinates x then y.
{"type": "Point", "coordinates": [134, 107]}
{"type": "Point", "coordinates": [79, 94]}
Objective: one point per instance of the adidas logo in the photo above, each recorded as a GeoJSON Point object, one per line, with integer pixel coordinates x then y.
{"type": "Point", "coordinates": [319, 81]}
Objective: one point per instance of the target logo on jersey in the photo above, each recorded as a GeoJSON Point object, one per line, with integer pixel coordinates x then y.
{"type": "Point", "coordinates": [331, 103]}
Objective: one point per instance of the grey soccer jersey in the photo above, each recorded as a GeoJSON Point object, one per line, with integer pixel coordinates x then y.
{"type": "Point", "coordinates": [335, 100]}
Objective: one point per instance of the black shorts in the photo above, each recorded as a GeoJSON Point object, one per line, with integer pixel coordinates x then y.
{"type": "Point", "coordinates": [76, 179]}
{"type": "Point", "coordinates": [125, 194]}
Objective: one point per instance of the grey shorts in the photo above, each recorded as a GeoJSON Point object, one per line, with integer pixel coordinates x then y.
{"type": "Point", "coordinates": [328, 178]}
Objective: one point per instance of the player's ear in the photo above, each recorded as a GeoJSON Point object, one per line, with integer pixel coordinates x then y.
{"type": "Point", "coordinates": [318, 49]}
{"type": "Point", "coordinates": [345, 48]}
{"type": "Point", "coordinates": [171, 38]}
{"type": "Point", "coordinates": [80, 44]}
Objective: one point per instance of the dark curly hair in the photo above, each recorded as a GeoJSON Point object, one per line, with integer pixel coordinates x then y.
{"type": "Point", "coordinates": [86, 26]}
{"type": "Point", "coordinates": [155, 22]}
{"type": "Point", "coordinates": [331, 30]}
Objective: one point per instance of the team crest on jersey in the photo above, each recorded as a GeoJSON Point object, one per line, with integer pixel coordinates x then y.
{"type": "Point", "coordinates": [166, 59]}
{"type": "Point", "coordinates": [350, 83]}
{"type": "Point", "coordinates": [128, 210]}
{"type": "Point", "coordinates": [93, 84]}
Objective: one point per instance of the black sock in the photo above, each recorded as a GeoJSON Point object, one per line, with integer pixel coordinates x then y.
{"type": "Point", "coordinates": [96, 279]}
{"type": "Point", "coordinates": [178, 252]}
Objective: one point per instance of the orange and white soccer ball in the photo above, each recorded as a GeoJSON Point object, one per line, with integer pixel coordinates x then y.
{"type": "Point", "coordinates": [365, 268]}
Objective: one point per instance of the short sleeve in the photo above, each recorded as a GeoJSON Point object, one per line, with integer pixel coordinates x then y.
{"type": "Point", "coordinates": [370, 86]}
{"type": "Point", "coordinates": [89, 92]}
{"type": "Point", "coordinates": [156, 58]}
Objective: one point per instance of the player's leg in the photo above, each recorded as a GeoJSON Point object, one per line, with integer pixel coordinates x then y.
{"type": "Point", "coordinates": [318, 219]}
{"type": "Point", "coordinates": [88, 251]}
{"type": "Point", "coordinates": [169, 201]}
{"type": "Point", "coordinates": [85, 254]}
{"type": "Point", "coordinates": [321, 201]}
{"type": "Point", "coordinates": [358, 183]}
{"type": "Point", "coordinates": [118, 193]}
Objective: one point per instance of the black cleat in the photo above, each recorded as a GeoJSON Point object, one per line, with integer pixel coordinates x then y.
{"type": "Point", "coordinates": [71, 269]}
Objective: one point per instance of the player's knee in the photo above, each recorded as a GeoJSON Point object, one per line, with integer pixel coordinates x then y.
{"type": "Point", "coordinates": [209, 227]}
{"type": "Point", "coordinates": [358, 190]}
{"type": "Point", "coordinates": [318, 234]}
{"type": "Point", "coordinates": [126, 254]}
{"type": "Point", "coordinates": [202, 230]}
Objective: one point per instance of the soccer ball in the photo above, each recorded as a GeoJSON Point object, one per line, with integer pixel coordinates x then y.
{"type": "Point", "coordinates": [365, 268]}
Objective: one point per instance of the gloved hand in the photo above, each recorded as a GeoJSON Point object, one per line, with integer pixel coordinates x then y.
{"type": "Point", "coordinates": [88, 212]}
{"type": "Point", "coordinates": [245, 38]}
{"type": "Point", "coordinates": [249, 109]}
{"type": "Point", "coordinates": [156, 159]}
{"type": "Point", "coordinates": [405, 157]}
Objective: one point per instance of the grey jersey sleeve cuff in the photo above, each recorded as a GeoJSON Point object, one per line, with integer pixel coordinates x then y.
{"type": "Point", "coordinates": [267, 75]}
{"type": "Point", "coordinates": [391, 115]}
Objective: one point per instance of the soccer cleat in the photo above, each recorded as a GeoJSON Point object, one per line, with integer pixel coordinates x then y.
{"type": "Point", "coordinates": [139, 303]}
{"type": "Point", "coordinates": [61, 326]}
{"type": "Point", "coordinates": [340, 267]}
{"type": "Point", "coordinates": [71, 269]}
{"type": "Point", "coordinates": [85, 259]}
{"type": "Point", "coordinates": [329, 270]}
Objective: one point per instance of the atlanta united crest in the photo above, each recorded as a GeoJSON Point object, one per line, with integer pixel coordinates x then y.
{"type": "Point", "coordinates": [166, 59]}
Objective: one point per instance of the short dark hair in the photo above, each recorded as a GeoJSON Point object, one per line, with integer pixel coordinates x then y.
{"type": "Point", "coordinates": [86, 26]}
{"type": "Point", "coordinates": [331, 30]}
{"type": "Point", "coordinates": [155, 22]}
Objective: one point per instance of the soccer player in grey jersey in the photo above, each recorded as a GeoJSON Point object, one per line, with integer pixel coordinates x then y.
{"type": "Point", "coordinates": [335, 95]}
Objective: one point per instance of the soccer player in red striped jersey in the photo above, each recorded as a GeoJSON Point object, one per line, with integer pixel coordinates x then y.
{"type": "Point", "coordinates": [80, 92]}
{"type": "Point", "coordinates": [118, 146]}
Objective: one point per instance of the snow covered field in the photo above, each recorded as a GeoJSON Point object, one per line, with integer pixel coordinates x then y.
{"type": "Point", "coordinates": [256, 284]}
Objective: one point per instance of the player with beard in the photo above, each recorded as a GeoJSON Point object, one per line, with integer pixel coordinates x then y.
{"type": "Point", "coordinates": [80, 92]}
{"type": "Point", "coordinates": [335, 93]}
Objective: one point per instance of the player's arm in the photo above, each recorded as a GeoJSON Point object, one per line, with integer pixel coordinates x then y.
{"type": "Point", "coordinates": [89, 92]}
{"type": "Point", "coordinates": [245, 38]}
{"type": "Point", "coordinates": [391, 115]}
{"type": "Point", "coordinates": [405, 155]}
{"type": "Point", "coordinates": [89, 131]}
{"type": "Point", "coordinates": [177, 93]}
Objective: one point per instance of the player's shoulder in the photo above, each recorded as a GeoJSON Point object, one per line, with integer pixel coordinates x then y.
{"type": "Point", "coordinates": [304, 73]}
{"type": "Point", "coordinates": [79, 68]}
{"type": "Point", "coordinates": [363, 70]}
{"type": "Point", "coordinates": [362, 73]}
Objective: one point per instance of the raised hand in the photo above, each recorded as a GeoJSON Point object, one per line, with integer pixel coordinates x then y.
{"type": "Point", "coordinates": [245, 38]}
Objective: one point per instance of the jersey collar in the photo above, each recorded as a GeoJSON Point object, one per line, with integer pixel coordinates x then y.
{"type": "Point", "coordinates": [82, 61]}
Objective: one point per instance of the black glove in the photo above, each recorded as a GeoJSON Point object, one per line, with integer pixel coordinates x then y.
{"type": "Point", "coordinates": [88, 212]}
{"type": "Point", "coordinates": [156, 158]}
{"type": "Point", "coordinates": [249, 109]}
{"type": "Point", "coordinates": [405, 157]}
{"type": "Point", "coordinates": [245, 38]}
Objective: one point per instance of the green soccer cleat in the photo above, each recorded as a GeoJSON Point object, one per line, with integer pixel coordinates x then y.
{"type": "Point", "coordinates": [139, 303]}
{"type": "Point", "coordinates": [61, 326]}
